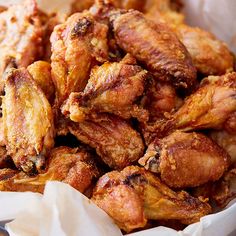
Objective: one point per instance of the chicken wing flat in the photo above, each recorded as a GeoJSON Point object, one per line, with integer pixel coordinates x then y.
{"type": "Point", "coordinates": [77, 45]}
{"type": "Point", "coordinates": [134, 195]}
{"type": "Point", "coordinates": [71, 166]}
{"type": "Point", "coordinates": [28, 121]}
{"type": "Point", "coordinates": [210, 56]}
{"type": "Point", "coordinates": [113, 88]}
{"type": "Point", "coordinates": [177, 156]}
{"type": "Point", "coordinates": [156, 46]}
{"type": "Point", "coordinates": [41, 73]}
{"type": "Point", "coordinates": [227, 141]}
{"type": "Point", "coordinates": [115, 141]}
{"type": "Point", "coordinates": [210, 106]}
{"type": "Point", "coordinates": [20, 36]}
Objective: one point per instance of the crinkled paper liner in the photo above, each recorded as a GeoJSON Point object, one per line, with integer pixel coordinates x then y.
{"type": "Point", "coordinates": [63, 211]}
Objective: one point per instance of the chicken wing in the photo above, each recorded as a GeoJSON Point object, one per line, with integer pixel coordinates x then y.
{"type": "Point", "coordinates": [113, 88]}
{"type": "Point", "coordinates": [210, 106]}
{"type": "Point", "coordinates": [77, 45]}
{"type": "Point", "coordinates": [20, 36]}
{"type": "Point", "coordinates": [134, 195]}
{"type": "Point", "coordinates": [71, 166]}
{"type": "Point", "coordinates": [227, 141]}
{"type": "Point", "coordinates": [41, 73]}
{"type": "Point", "coordinates": [210, 56]}
{"type": "Point", "coordinates": [156, 46]}
{"type": "Point", "coordinates": [177, 156]}
{"type": "Point", "coordinates": [28, 121]}
{"type": "Point", "coordinates": [115, 141]}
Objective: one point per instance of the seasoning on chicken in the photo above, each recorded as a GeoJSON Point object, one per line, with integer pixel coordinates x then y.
{"type": "Point", "coordinates": [71, 166]}
{"type": "Point", "coordinates": [209, 107]}
{"type": "Point", "coordinates": [134, 195]}
{"type": "Point", "coordinates": [113, 88]}
{"type": "Point", "coordinates": [20, 36]}
{"type": "Point", "coordinates": [178, 156]}
{"type": "Point", "coordinates": [77, 45]}
{"type": "Point", "coordinates": [27, 120]}
{"type": "Point", "coordinates": [114, 140]}
{"type": "Point", "coordinates": [41, 73]}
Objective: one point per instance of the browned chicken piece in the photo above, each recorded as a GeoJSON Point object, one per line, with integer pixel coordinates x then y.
{"type": "Point", "coordinates": [134, 195]}
{"type": "Point", "coordinates": [177, 157]}
{"type": "Point", "coordinates": [113, 88]}
{"type": "Point", "coordinates": [160, 99]}
{"type": "Point", "coordinates": [230, 124]}
{"type": "Point", "coordinates": [227, 141]}
{"type": "Point", "coordinates": [210, 55]}
{"type": "Point", "coordinates": [5, 160]}
{"type": "Point", "coordinates": [20, 36]}
{"type": "Point", "coordinates": [209, 107]}
{"type": "Point", "coordinates": [77, 45]}
{"type": "Point", "coordinates": [27, 120]}
{"type": "Point", "coordinates": [115, 141]}
{"type": "Point", "coordinates": [71, 166]}
{"type": "Point", "coordinates": [41, 73]}
{"type": "Point", "coordinates": [79, 6]}
{"type": "Point", "coordinates": [157, 47]}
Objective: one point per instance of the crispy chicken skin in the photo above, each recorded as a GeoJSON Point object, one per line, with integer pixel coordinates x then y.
{"type": "Point", "coordinates": [157, 47]}
{"type": "Point", "coordinates": [210, 56]}
{"type": "Point", "coordinates": [178, 156]}
{"type": "Point", "coordinates": [27, 120]}
{"type": "Point", "coordinates": [20, 36]}
{"type": "Point", "coordinates": [113, 88]}
{"type": "Point", "coordinates": [134, 195]}
{"type": "Point", "coordinates": [210, 106]}
{"type": "Point", "coordinates": [115, 141]}
{"type": "Point", "coordinates": [77, 45]}
{"type": "Point", "coordinates": [41, 73]}
{"type": "Point", "coordinates": [71, 166]}
{"type": "Point", "coordinates": [227, 141]}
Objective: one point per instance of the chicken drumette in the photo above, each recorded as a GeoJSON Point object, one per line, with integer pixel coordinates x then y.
{"type": "Point", "coordinates": [134, 195]}
{"type": "Point", "coordinates": [112, 87]}
{"type": "Point", "coordinates": [178, 156]}
{"type": "Point", "coordinates": [72, 166]}
{"type": "Point", "coordinates": [27, 121]}
{"type": "Point", "coordinates": [115, 141]}
{"type": "Point", "coordinates": [20, 36]}
{"type": "Point", "coordinates": [77, 45]}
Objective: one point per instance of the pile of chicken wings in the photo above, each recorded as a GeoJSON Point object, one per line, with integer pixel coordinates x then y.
{"type": "Point", "coordinates": [123, 101]}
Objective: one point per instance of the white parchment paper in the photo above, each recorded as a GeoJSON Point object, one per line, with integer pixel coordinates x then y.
{"type": "Point", "coordinates": [63, 211]}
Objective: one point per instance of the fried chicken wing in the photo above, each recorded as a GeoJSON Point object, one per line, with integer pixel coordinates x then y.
{"type": "Point", "coordinates": [115, 141]}
{"type": "Point", "coordinates": [134, 195]}
{"type": "Point", "coordinates": [71, 166]}
{"type": "Point", "coordinates": [20, 36]}
{"type": "Point", "coordinates": [41, 73]}
{"type": "Point", "coordinates": [156, 46]}
{"type": "Point", "coordinates": [113, 88]}
{"type": "Point", "coordinates": [210, 106]}
{"type": "Point", "coordinates": [28, 121]}
{"type": "Point", "coordinates": [177, 156]}
{"type": "Point", "coordinates": [227, 141]}
{"type": "Point", "coordinates": [210, 56]}
{"type": "Point", "coordinates": [77, 45]}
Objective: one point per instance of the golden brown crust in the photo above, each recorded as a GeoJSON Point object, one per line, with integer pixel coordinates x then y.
{"type": "Point", "coordinates": [29, 132]}
{"type": "Point", "coordinates": [72, 166]}
{"type": "Point", "coordinates": [179, 155]}
{"type": "Point", "coordinates": [41, 74]}
{"type": "Point", "coordinates": [21, 36]}
{"type": "Point", "coordinates": [157, 47]}
{"type": "Point", "coordinates": [113, 88]}
{"type": "Point", "coordinates": [77, 45]}
{"type": "Point", "coordinates": [153, 199]}
{"type": "Point", "coordinates": [115, 141]}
